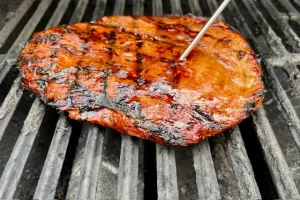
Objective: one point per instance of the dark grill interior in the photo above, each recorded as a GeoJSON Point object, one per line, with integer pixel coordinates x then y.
{"type": "Point", "coordinates": [43, 155]}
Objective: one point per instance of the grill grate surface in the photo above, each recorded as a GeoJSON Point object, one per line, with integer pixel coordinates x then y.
{"type": "Point", "coordinates": [107, 166]}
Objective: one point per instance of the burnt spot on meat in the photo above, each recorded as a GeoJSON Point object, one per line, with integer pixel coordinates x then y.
{"type": "Point", "coordinates": [69, 100]}
{"type": "Point", "coordinates": [250, 107]}
{"type": "Point", "coordinates": [136, 109]}
{"type": "Point", "coordinates": [42, 83]}
{"type": "Point", "coordinates": [40, 71]}
{"type": "Point", "coordinates": [139, 58]}
{"type": "Point", "coordinates": [110, 52]}
{"type": "Point", "coordinates": [205, 118]}
{"type": "Point", "coordinates": [20, 58]}
{"type": "Point", "coordinates": [163, 88]}
{"type": "Point", "coordinates": [111, 37]}
{"type": "Point", "coordinates": [69, 29]}
{"type": "Point", "coordinates": [232, 30]}
{"type": "Point", "coordinates": [123, 92]}
{"type": "Point", "coordinates": [139, 43]}
{"type": "Point", "coordinates": [105, 74]}
{"type": "Point", "coordinates": [225, 40]}
{"type": "Point", "coordinates": [175, 107]}
{"type": "Point", "coordinates": [161, 27]}
{"type": "Point", "coordinates": [71, 50]}
{"type": "Point", "coordinates": [260, 93]}
{"type": "Point", "coordinates": [171, 62]}
{"type": "Point", "coordinates": [169, 135]}
{"type": "Point", "coordinates": [53, 53]}
{"type": "Point", "coordinates": [208, 35]}
{"type": "Point", "coordinates": [38, 39]}
{"type": "Point", "coordinates": [140, 81]}
{"type": "Point", "coordinates": [53, 38]}
{"type": "Point", "coordinates": [50, 65]}
{"type": "Point", "coordinates": [92, 30]}
{"type": "Point", "coordinates": [84, 46]}
{"type": "Point", "coordinates": [77, 87]}
{"type": "Point", "coordinates": [241, 54]}
{"type": "Point", "coordinates": [200, 112]}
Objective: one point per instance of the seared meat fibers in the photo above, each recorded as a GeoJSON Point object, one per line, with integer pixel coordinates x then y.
{"type": "Point", "coordinates": [124, 72]}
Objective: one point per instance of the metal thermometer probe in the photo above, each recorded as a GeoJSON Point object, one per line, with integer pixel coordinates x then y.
{"type": "Point", "coordinates": [204, 29]}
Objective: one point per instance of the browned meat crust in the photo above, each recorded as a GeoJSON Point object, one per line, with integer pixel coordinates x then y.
{"type": "Point", "coordinates": [123, 72]}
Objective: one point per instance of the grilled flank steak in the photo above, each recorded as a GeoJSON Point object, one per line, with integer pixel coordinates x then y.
{"type": "Point", "coordinates": [124, 72]}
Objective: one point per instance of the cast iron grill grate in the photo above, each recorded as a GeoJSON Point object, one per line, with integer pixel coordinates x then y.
{"type": "Point", "coordinates": [258, 159]}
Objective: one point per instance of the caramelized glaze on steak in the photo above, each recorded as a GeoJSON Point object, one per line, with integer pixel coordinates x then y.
{"type": "Point", "coordinates": [124, 72]}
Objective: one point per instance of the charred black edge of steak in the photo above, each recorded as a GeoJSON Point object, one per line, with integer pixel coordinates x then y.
{"type": "Point", "coordinates": [173, 137]}
{"type": "Point", "coordinates": [251, 105]}
{"type": "Point", "coordinates": [206, 119]}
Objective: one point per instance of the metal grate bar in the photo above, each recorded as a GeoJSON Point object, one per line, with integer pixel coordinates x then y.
{"type": "Point", "coordinates": [12, 99]}
{"type": "Point", "coordinates": [58, 13]}
{"type": "Point", "coordinates": [283, 60]}
{"type": "Point", "coordinates": [92, 156]}
{"type": "Point", "coordinates": [119, 7]}
{"type": "Point", "coordinates": [279, 169]}
{"type": "Point", "coordinates": [241, 165]}
{"type": "Point", "coordinates": [166, 173]}
{"type": "Point", "coordinates": [54, 161]}
{"type": "Point", "coordinates": [91, 163]}
{"type": "Point", "coordinates": [290, 36]}
{"type": "Point", "coordinates": [157, 9]}
{"type": "Point", "coordinates": [73, 184]}
{"type": "Point", "coordinates": [297, 2]}
{"type": "Point", "coordinates": [288, 111]}
{"type": "Point", "coordinates": [79, 11]}
{"type": "Point", "coordinates": [176, 7]}
{"type": "Point", "coordinates": [274, 42]}
{"type": "Point", "coordinates": [208, 187]}
{"type": "Point", "coordinates": [165, 156]}
{"type": "Point", "coordinates": [61, 143]}
{"type": "Point", "coordinates": [195, 8]}
{"type": "Point", "coordinates": [84, 179]}
{"type": "Point", "coordinates": [266, 127]}
{"type": "Point", "coordinates": [292, 12]}
{"type": "Point", "coordinates": [128, 168]}
{"type": "Point", "coordinates": [12, 23]}
{"type": "Point", "coordinates": [16, 92]}
{"type": "Point", "coordinates": [23, 37]}
{"type": "Point", "coordinates": [223, 167]}
{"type": "Point", "coordinates": [10, 104]}
{"type": "Point", "coordinates": [11, 175]}
{"type": "Point", "coordinates": [213, 6]}
{"type": "Point", "coordinates": [99, 9]}
{"type": "Point", "coordinates": [138, 7]}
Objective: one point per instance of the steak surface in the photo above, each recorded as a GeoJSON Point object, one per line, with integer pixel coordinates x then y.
{"type": "Point", "coordinates": [124, 72]}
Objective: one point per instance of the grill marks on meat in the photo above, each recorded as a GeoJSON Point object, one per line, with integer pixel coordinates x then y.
{"type": "Point", "coordinates": [124, 72]}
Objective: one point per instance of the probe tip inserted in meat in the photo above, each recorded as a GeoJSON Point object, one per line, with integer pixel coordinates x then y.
{"type": "Point", "coordinates": [204, 29]}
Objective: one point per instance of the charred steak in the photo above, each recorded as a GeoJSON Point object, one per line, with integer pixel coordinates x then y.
{"type": "Point", "coordinates": [124, 72]}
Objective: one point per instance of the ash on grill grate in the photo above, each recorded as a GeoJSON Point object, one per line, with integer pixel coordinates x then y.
{"type": "Point", "coordinates": [44, 155]}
